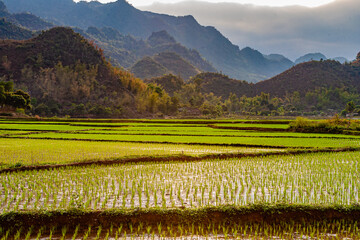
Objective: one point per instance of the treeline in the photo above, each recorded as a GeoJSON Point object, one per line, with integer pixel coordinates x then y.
{"type": "Point", "coordinates": [192, 100]}
{"type": "Point", "coordinates": [76, 92]}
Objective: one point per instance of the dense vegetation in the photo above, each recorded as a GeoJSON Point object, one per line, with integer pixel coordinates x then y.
{"type": "Point", "coordinates": [334, 125]}
{"type": "Point", "coordinates": [215, 94]}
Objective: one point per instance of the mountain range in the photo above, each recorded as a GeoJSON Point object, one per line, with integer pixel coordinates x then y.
{"type": "Point", "coordinates": [64, 73]}
{"type": "Point", "coordinates": [132, 53]}
{"type": "Point", "coordinates": [245, 64]}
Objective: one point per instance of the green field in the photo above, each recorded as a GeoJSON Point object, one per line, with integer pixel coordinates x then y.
{"type": "Point", "coordinates": [147, 179]}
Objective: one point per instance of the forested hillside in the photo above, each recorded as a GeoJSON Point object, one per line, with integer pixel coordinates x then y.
{"type": "Point", "coordinates": [65, 74]}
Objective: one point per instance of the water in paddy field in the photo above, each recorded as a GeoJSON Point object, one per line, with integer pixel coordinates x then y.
{"type": "Point", "coordinates": [284, 230]}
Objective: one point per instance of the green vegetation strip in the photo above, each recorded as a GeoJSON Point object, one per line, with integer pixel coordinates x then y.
{"type": "Point", "coordinates": [169, 158]}
{"type": "Point", "coordinates": [207, 215]}
{"type": "Point", "coordinates": [210, 142]}
{"type": "Point", "coordinates": [173, 121]}
{"type": "Point", "coordinates": [163, 159]}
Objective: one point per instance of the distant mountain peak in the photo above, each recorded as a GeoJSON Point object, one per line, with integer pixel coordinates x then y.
{"type": "Point", "coordinates": [160, 38]}
{"type": "Point", "coordinates": [310, 57]}
{"type": "Point", "coordinates": [2, 7]}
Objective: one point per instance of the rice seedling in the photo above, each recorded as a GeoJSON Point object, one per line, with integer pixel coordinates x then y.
{"type": "Point", "coordinates": [327, 179]}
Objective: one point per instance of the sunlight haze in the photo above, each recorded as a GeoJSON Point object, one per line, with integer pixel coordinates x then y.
{"type": "Point", "coordinates": [277, 3]}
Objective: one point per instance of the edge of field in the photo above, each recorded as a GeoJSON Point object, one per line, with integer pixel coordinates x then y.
{"type": "Point", "coordinates": [257, 213]}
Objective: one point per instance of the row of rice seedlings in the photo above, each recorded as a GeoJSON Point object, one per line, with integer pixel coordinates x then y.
{"type": "Point", "coordinates": [31, 152]}
{"type": "Point", "coordinates": [307, 179]}
{"type": "Point", "coordinates": [338, 229]}
{"type": "Point", "coordinates": [288, 142]}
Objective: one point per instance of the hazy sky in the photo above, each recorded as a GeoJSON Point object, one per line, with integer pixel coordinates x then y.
{"type": "Point", "coordinates": [326, 26]}
{"type": "Point", "coordinates": [293, 31]}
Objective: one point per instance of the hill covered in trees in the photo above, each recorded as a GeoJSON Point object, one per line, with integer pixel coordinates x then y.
{"type": "Point", "coordinates": [162, 64]}
{"type": "Point", "coordinates": [65, 74]}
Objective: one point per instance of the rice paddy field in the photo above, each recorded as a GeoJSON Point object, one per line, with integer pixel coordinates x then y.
{"type": "Point", "coordinates": [176, 179]}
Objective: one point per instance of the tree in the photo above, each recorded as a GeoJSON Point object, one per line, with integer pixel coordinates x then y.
{"type": "Point", "coordinates": [15, 101]}
{"type": "Point", "coordinates": [350, 107]}
{"type": "Point", "coordinates": [11, 99]}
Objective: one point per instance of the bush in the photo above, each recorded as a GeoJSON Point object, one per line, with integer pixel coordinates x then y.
{"type": "Point", "coordinates": [334, 125]}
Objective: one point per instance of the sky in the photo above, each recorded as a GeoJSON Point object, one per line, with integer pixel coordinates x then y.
{"type": "Point", "coordinates": [308, 3]}
{"type": "Point", "coordinates": [292, 28]}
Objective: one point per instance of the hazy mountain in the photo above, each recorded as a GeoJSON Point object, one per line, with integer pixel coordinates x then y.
{"type": "Point", "coordinates": [310, 57]}
{"type": "Point", "coordinates": [125, 51]}
{"type": "Point", "coordinates": [247, 64]}
{"type": "Point", "coordinates": [341, 59]}
{"type": "Point", "coordinates": [164, 63]}
{"type": "Point", "coordinates": [148, 68]}
{"type": "Point", "coordinates": [25, 20]}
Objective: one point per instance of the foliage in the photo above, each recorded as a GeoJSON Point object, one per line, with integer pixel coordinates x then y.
{"type": "Point", "coordinates": [10, 100]}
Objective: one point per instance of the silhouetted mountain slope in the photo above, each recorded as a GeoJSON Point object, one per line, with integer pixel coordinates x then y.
{"type": "Point", "coordinates": [217, 49]}
{"type": "Point", "coordinates": [164, 63]}
{"type": "Point", "coordinates": [11, 31]}
{"type": "Point", "coordinates": [222, 86]}
{"type": "Point", "coordinates": [311, 75]}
